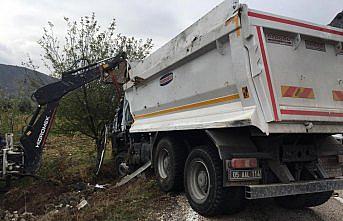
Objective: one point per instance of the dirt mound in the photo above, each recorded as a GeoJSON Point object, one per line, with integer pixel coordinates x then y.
{"type": "Point", "coordinates": [82, 201]}
{"type": "Point", "coordinates": [34, 198]}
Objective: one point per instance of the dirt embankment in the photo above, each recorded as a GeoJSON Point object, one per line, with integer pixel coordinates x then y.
{"type": "Point", "coordinates": [46, 201]}
{"type": "Point", "coordinates": [67, 188]}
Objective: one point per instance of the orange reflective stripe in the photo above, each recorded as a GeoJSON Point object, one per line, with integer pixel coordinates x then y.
{"type": "Point", "coordinates": [200, 104]}
{"type": "Point", "coordinates": [337, 95]}
{"type": "Point", "coordinates": [297, 92]}
{"type": "Point", "coordinates": [236, 20]}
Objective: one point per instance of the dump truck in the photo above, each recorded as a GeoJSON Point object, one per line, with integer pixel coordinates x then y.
{"type": "Point", "coordinates": [241, 105]}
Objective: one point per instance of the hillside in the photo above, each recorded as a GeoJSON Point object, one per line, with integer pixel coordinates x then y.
{"type": "Point", "coordinates": [19, 81]}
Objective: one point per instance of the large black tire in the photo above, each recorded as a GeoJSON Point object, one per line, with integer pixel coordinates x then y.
{"type": "Point", "coordinates": [169, 160]}
{"type": "Point", "coordinates": [120, 158]}
{"type": "Point", "coordinates": [304, 200]}
{"type": "Point", "coordinates": [5, 185]}
{"type": "Point", "coordinates": [203, 180]}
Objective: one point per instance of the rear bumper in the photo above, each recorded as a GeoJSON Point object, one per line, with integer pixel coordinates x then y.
{"type": "Point", "coordinates": [299, 127]}
{"type": "Point", "coordinates": [276, 190]}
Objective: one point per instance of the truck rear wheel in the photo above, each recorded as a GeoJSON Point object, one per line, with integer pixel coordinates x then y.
{"type": "Point", "coordinates": [304, 200]}
{"type": "Point", "coordinates": [169, 161]}
{"type": "Point", "coordinates": [204, 189]}
{"type": "Point", "coordinates": [118, 161]}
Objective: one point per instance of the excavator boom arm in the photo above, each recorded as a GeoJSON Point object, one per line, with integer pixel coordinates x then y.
{"type": "Point", "coordinates": [48, 97]}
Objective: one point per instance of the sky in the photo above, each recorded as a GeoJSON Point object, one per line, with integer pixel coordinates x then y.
{"type": "Point", "coordinates": [22, 21]}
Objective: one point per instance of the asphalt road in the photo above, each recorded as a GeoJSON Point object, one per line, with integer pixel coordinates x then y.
{"type": "Point", "coordinates": [264, 210]}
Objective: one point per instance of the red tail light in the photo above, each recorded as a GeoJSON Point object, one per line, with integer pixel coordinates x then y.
{"type": "Point", "coordinates": [240, 163]}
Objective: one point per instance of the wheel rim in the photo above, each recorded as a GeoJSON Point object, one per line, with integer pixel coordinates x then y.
{"type": "Point", "coordinates": [121, 169]}
{"type": "Point", "coordinates": [163, 163]}
{"type": "Point", "coordinates": [198, 180]}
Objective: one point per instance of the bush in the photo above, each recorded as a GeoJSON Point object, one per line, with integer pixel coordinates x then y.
{"type": "Point", "coordinates": [25, 106]}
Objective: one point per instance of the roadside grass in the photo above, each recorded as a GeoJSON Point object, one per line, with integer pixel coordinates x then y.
{"type": "Point", "coordinates": [68, 159]}
{"type": "Point", "coordinates": [132, 202]}
{"type": "Point", "coordinates": [69, 162]}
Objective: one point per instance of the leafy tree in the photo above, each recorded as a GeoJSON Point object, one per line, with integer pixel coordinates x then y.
{"type": "Point", "coordinates": [88, 109]}
{"type": "Point", "coordinates": [9, 115]}
{"type": "Point", "coordinates": [24, 105]}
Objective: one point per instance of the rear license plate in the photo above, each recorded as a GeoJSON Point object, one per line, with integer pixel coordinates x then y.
{"type": "Point", "coordinates": [252, 174]}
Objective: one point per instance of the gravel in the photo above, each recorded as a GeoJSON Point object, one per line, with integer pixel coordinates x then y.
{"type": "Point", "coordinates": [259, 210]}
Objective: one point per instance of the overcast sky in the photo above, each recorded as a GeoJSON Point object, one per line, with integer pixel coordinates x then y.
{"type": "Point", "coordinates": [21, 21]}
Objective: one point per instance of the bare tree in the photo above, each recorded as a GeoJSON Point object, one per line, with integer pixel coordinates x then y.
{"type": "Point", "coordinates": [88, 109]}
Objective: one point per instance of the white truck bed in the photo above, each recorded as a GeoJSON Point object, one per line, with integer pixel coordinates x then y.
{"type": "Point", "coordinates": [241, 67]}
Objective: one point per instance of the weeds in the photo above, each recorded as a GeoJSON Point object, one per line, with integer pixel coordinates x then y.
{"type": "Point", "coordinates": [69, 161]}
